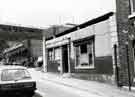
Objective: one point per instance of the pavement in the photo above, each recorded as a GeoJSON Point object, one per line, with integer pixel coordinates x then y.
{"type": "Point", "coordinates": [97, 88]}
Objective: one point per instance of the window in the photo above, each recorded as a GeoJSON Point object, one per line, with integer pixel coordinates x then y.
{"type": "Point", "coordinates": [83, 48]}
{"type": "Point", "coordinates": [132, 3]}
{"type": "Point", "coordinates": [84, 55]}
{"type": "Point", "coordinates": [57, 54]}
{"type": "Point", "coordinates": [50, 54]}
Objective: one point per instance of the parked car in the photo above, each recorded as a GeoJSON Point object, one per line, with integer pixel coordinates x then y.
{"type": "Point", "coordinates": [16, 80]}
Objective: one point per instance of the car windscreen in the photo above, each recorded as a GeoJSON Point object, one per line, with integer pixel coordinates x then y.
{"type": "Point", "coordinates": [14, 74]}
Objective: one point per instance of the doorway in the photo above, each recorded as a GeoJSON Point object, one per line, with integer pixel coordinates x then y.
{"type": "Point", "coordinates": [65, 58]}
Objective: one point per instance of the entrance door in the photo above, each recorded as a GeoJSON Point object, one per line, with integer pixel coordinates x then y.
{"type": "Point", "coordinates": [65, 58]}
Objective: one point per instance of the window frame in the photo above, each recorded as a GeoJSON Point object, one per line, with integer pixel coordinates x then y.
{"type": "Point", "coordinates": [55, 55]}
{"type": "Point", "coordinates": [50, 58]}
{"type": "Point", "coordinates": [89, 66]}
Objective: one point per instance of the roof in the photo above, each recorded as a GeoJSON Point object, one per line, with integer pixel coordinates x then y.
{"type": "Point", "coordinates": [21, 27]}
{"type": "Point", "coordinates": [88, 23]}
{"type": "Point", "coordinates": [11, 32]}
{"type": "Point", "coordinates": [11, 67]}
{"type": "Point", "coordinates": [54, 30]}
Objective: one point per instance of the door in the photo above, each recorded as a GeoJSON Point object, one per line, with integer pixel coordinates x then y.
{"type": "Point", "coordinates": [65, 58]}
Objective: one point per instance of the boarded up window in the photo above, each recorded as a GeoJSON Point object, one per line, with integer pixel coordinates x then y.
{"type": "Point", "coordinates": [84, 54]}
{"type": "Point", "coordinates": [90, 53]}
{"type": "Point", "coordinates": [83, 48]}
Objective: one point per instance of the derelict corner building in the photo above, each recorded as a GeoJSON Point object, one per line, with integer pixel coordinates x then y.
{"type": "Point", "coordinates": [101, 49]}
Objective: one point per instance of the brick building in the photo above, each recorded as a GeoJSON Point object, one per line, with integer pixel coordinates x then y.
{"type": "Point", "coordinates": [125, 51]}
{"type": "Point", "coordinates": [131, 35]}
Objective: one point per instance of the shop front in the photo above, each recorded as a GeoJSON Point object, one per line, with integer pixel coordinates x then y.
{"type": "Point", "coordinates": [58, 55]}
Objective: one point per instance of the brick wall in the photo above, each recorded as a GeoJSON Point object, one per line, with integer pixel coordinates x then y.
{"type": "Point", "coordinates": [122, 13]}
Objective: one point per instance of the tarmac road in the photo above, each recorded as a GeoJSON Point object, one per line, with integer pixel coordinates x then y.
{"type": "Point", "coordinates": [46, 88]}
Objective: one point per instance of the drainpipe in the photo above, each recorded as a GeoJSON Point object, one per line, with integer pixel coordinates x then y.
{"type": "Point", "coordinates": [69, 55]}
{"type": "Point", "coordinates": [128, 67]}
{"type": "Point", "coordinates": [116, 65]}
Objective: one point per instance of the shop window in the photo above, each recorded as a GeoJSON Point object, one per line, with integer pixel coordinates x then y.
{"type": "Point", "coordinates": [50, 54]}
{"type": "Point", "coordinates": [84, 54]}
{"type": "Point", "coordinates": [83, 48]}
{"type": "Point", "coordinates": [90, 58]}
{"type": "Point", "coordinates": [57, 54]}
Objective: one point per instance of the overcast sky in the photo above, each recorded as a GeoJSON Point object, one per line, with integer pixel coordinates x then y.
{"type": "Point", "coordinates": [42, 13]}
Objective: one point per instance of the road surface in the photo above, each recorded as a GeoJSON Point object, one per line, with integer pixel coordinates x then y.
{"type": "Point", "coordinates": [47, 88]}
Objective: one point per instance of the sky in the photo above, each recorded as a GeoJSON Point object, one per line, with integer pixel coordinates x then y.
{"type": "Point", "coordinates": [44, 13]}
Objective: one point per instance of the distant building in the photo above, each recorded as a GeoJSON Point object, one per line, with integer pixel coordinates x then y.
{"type": "Point", "coordinates": [24, 52]}
{"type": "Point", "coordinates": [25, 43]}
{"type": "Point", "coordinates": [17, 54]}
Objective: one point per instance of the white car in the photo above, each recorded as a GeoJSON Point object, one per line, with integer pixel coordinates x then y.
{"type": "Point", "coordinates": [16, 80]}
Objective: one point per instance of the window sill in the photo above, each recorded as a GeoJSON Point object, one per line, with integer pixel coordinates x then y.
{"type": "Point", "coordinates": [132, 15]}
{"type": "Point", "coordinates": [84, 67]}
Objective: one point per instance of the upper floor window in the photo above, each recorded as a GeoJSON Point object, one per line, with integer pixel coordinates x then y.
{"type": "Point", "coordinates": [132, 4]}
